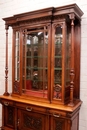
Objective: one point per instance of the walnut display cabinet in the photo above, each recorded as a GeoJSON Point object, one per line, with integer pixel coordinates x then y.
{"type": "Point", "coordinates": [45, 70]}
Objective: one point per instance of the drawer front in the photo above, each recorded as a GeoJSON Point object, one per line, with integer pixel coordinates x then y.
{"type": "Point", "coordinates": [57, 113]}
{"type": "Point", "coordinates": [29, 107]}
{"type": "Point", "coordinates": [7, 102]}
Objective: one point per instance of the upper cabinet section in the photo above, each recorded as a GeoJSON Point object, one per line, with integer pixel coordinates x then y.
{"type": "Point", "coordinates": [44, 54]}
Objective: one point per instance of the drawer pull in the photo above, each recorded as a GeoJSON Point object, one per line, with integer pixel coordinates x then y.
{"type": "Point", "coordinates": [28, 109]}
{"type": "Point", "coordinates": [6, 103]}
{"type": "Point", "coordinates": [58, 115]}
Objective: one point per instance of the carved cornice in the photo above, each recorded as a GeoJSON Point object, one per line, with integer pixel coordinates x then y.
{"type": "Point", "coordinates": [44, 15]}
{"type": "Point", "coordinates": [33, 21]}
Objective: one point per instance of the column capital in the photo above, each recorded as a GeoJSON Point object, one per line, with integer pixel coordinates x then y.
{"type": "Point", "coordinates": [72, 16]}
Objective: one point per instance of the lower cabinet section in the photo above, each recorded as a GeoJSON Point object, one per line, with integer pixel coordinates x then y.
{"type": "Point", "coordinates": [23, 116]}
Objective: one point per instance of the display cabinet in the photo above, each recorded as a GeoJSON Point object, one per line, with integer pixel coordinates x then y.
{"type": "Point", "coordinates": [45, 70]}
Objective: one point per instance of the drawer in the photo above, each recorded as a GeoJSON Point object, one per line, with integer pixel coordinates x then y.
{"type": "Point", "coordinates": [29, 107]}
{"type": "Point", "coordinates": [7, 102]}
{"type": "Point", "coordinates": [57, 113]}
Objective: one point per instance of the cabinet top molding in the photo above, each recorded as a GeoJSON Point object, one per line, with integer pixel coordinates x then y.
{"type": "Point", "coordinates": [43, 13]}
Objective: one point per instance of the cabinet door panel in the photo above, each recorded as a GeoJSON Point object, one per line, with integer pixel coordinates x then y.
{"type": "Point", "coordinates": [31, 121]}
{"type": "Point", "coordinates": [57, 123]}
{"type": "Point", "coordinates": [9, 118]}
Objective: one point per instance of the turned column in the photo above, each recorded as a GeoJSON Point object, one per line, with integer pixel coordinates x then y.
{"type": "Point", "coordinates": [6, 64]}
{"type": "Point", "coordinates": [72, 73]}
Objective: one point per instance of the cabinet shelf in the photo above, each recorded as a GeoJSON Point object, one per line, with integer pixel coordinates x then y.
{"type": "Point", "coordinates": [58, 56]}
{"type": "Point", "coordinates": [37, 68]}
{"type": "Point", "coordinates": [36, 45]}
{"type": "Point", "coordinates": [58, 68]}
{"type": "Point", "coordinates": [36, 57]}
{"type": "Point", "coordinates": [28, 78]}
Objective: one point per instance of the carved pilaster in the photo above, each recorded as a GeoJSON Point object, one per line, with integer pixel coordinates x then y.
{"type": "Point", "coordinates": [72, 17]}
{"type": "Point", "coordinates": [6, 65]}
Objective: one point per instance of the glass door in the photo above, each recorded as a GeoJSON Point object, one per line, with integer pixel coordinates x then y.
{"type": "Point", "coordinates": [57, 61]}
{"type": "Point", "coordinates": [16, 62]}
{"type": "Point", "coordinates": [61, 59]}
{"type": "Point", "coordinates": [35, 62]}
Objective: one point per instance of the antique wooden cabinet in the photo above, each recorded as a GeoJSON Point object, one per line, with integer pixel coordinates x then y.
{"type": "Point", "coordinates": [45, 70]}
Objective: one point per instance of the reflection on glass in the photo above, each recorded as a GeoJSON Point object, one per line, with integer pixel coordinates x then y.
{"type": "Point", "coordinates": [58, 62]}
{"type": "Point", "coordinates": [17, 56]}
{"type": "Point", "coordinates": [36, 71]}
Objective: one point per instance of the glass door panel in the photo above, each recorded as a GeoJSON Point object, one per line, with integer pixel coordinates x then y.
{"type": "Point", "coordinates": [17, 56]}
{"type": "Point", "coordinates": [36, 67]}
{"type": "Point", "coordinates": [68, 56]}
{"type": "Point", "coordinates": [58, 62]}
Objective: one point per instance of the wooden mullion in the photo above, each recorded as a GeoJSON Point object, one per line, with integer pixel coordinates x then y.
{"type": "Point", "coordinates": [49, 63]}
{"type": "Point", "coordinates": [63, 60]}
{"type": "Point", "coordinates": [25, 54]}
{"type": "Point", "coordinates": [13, 61]}
{"type": "Point", "coordinates": [52, 61]}
{"type": "Point", "coordinates": [21, 60]}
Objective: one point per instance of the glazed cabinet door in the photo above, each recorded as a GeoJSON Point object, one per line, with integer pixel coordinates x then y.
{"type": "Point", "coordinates": [28, 120]}
{"type": "Point", "coordinates": [9, 116]}
{"type": "Point", "coordinates": [61, 58]}
{"type": "Point", "coordinates": [31, 59]}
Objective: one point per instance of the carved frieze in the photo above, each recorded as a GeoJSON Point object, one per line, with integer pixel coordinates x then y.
{"type": "Point", "coordinates": [33, 21]}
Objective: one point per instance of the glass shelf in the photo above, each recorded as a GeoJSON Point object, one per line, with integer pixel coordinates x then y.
{"type": "Point", "coordinates": [38, 68]}
{"type": "Point", "coordinates": [37, 45]}
{"type": "Point", "coordinates": [36, 57]}
{"type": "Point", "coordinates": [58, 57]}
{"type": "Point", "coordinates": [37, 80]}
{"type": "Point", "coordinates": [58, 68]}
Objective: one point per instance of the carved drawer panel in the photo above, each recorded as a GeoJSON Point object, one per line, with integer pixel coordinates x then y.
{"type": "Point", "coordinates": [32, 108]}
